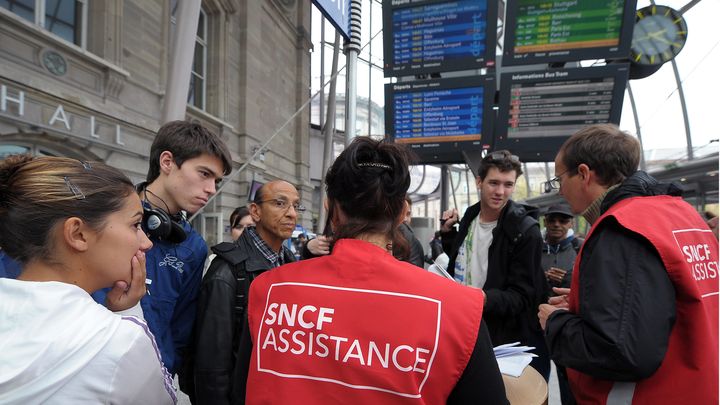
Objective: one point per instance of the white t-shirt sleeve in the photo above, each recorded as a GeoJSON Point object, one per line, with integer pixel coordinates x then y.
{"type": "Point", "coordinates": [140, 377]}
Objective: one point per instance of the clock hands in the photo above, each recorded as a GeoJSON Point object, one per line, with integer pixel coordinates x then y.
{"type": "Point", "coordinates": [651, 35]}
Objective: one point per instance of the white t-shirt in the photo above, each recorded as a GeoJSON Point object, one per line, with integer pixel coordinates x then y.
{"type": "Point", "coordinates": [58, 346]}
{"type": "Point", "coordinates": [471, 264]}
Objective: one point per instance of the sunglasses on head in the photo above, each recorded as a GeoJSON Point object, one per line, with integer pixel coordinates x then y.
{"type": "Point", "coordinates": [500, 157]}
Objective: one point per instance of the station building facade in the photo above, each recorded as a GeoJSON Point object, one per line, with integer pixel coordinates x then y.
{"type": "Point", "coordinates": [86, 79]}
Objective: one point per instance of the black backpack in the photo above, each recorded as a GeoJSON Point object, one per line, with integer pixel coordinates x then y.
{"type": "Point", "coordinates": [226, 253]}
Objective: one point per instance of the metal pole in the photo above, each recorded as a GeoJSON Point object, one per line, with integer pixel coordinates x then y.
{"type": "Point", "coordinates": [688, 6]}
{"type": "Point", "coordinates": [452, 187]}
{"type": "Point", "coordinates": [683, 106]}
{"type": "Point", "coordinates": [443, 188]}
{"type": "Point", "coordinates": [352, 49]}
{"type": "Point", "coordinates": [329, 130]}
{"type": "Point", "coordinates": [547, 171]}
{"type": "Point", "coordinates": [181, 59]}
{"type": "Point", "coordinates": [527, 180]}
{"type": "Point", "coordinates": [643, 166]}
{"type": "Point", "coordinates": [370, 68]}
{"type": "Point", "coordinates": [322, 70]}
{"type": "Point", "coordinates": [467, 184]}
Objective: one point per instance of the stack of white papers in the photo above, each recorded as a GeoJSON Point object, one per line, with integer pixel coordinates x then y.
{"type": "Point", "coordinates": [513, 358]}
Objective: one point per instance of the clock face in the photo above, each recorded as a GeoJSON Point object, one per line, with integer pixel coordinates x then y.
{"type": "Point", "coordinates": [660, 33]}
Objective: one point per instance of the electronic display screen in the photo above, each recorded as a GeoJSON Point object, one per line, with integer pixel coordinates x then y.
{"type": "Point", "coordinates": [436, 119]}
{"type": "Point", "coordinates": [539, 110]}
{"type": "Point", "coordinates": [427, 36]}
{"type": "Point", "coordinates": [543, 31]}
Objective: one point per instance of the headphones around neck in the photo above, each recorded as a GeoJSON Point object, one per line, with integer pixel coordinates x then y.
{"type": "Point", "coordinates": [159, 224]}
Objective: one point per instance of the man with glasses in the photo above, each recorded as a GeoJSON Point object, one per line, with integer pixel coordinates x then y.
{"type": "Point", "coordinates": [223, 295]}
{"type": "Point", "coordinates": [497, 247]}
{"type": "Point", "coordinates": [639, 323]}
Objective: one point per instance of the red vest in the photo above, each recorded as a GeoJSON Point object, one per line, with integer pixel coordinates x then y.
{"type": "Point", "coordinates": [688, 249]}
{"type": "Point", "coordinates": [358, 327]}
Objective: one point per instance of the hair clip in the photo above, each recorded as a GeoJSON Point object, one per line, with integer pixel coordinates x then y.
{"type": "Point", "coordinates": [86, 165]}
{"type": "Point", "coordinates": [74, 189]}
{"type": "Point", "coordinates": [373, 164]}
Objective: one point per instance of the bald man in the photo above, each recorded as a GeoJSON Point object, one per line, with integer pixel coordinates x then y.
{"type": "Point", "coordinates": [223, 295]}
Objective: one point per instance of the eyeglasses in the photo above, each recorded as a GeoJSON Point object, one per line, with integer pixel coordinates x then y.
{"type": "Point", "coordinates": [556, 182]}
{"type": "Point", "coordinates": [239, 226]}
{"type": "Point", "coordinates": [284, 205]}
{"type": "Point", "coordinates": [500, 156]}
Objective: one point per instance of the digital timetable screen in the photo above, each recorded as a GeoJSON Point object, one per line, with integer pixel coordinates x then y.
{"type": "Point", "coordinates": [436, 119]}
{"type": "Point", "coordinates": [427, 36]}
{"type": "Point", "coordinates": [542, 31]}
{"type": "Point", "coordinates": [539, 110]}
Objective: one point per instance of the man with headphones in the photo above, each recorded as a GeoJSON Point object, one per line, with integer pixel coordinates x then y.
{"type": "Point", "coordinates": [186, 163]}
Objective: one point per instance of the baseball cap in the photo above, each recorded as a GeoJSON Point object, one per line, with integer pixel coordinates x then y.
{"type": "Point", "coordinates": [559, 209]}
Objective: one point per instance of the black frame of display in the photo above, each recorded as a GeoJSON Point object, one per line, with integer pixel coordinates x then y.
{"type": "Point", "coordinates": [544, 149]}
{"type": "Point", "coordinates": [621, 51]}
{"type": "Point", "coordinates": [448, 151]}
{"type": "Point", "coordinates": [466, 63]}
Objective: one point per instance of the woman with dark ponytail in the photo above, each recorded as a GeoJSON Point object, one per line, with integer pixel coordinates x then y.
{"type": "Point", "coordinates": [75, 228]}
{"type": "Point", "coordinates": [358, 326]}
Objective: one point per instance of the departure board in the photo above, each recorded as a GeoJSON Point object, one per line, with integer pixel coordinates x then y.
{"type": "Point", "coordinates": [432, 36]}
{"type": "Point", "coordinates": [440, 116]}
{"type": "Point", "coordinates": [558, 108]}
{"type": "Point", "coordinates": [540, 110]}
{"type": "Point", "coordinates": [566, 30]}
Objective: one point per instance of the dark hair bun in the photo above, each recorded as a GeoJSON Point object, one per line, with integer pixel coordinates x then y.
{"type": "Point", "coordinates": [369, 181]}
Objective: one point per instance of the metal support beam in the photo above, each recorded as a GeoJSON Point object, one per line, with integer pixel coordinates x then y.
{"type": "Point", "coordinates": [444, 188]}
{"type": "Point", "coordinates": [329, 131]}
{"type": "Point", "coordinates": [181, 59]}
{"type": "Point", "coordinates": [683, 105]}
{"type": "Point", "coordinates": [643, 165]}
{"type": "Point", "coordinates": [352, 50]}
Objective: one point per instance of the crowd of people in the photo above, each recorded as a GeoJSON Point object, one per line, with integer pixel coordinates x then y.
{"type": "Point", "coordinates": [107, 293]}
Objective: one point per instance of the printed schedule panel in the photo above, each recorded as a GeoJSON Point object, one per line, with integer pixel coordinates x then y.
{"type": "Point", "coordinates": [437, 119]}
{"type": "Point", "coordinates": [428, 36]}
{"type": "Point", "coordinates": [543, 31]}
{"type": "Point", "coordinates": [539, 110]}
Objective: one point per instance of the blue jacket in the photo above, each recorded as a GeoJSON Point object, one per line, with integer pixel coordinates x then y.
{"type": "Point", "coordinates": [169, 308]}
{"type": "Point", "coordinates": [9, 268]}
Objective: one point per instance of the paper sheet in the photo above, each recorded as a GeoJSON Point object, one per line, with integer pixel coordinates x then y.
{"type": "Point", "coordinates": [513, 358]}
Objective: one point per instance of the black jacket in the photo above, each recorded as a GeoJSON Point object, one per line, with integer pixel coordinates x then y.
{"type": "Point", "coordinates": [221, 316]}
{"type": "Point", "coordinates": [416, 254]}
{"type": "Point", "coordinates": [515, 284]}
{"type": "Point", "coordinates": [627, 301]}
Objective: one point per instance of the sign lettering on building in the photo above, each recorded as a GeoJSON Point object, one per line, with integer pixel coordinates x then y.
{"type": "Point", "coordinates": [16, 103]}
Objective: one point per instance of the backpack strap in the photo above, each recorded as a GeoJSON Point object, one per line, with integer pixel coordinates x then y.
{"type": "Point", "coordinates": [525, 224]}
{"type": "Point", "coordinates": [230, 252]}
{"type": "Point", "coordinates": [576, 244]}
{"type": "Point", "coordinates": [236, 257]}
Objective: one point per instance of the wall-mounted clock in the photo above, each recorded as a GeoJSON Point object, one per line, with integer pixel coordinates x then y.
{"type": "Point", "coordinates": [659, 35]}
